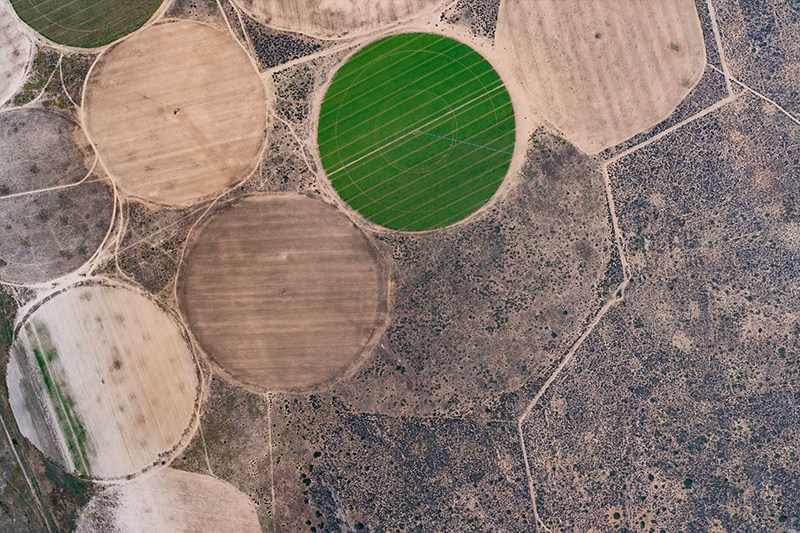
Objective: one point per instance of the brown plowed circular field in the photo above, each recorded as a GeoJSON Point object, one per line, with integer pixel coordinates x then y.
{"type": "Point", "coordinates": [283, 292]}
{"type": "Point", "coordinates": [177, 112]}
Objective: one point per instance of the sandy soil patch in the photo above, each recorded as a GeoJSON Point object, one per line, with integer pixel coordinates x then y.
{"type": "Point", "coordinates": [335, 18]}
{"type": "Point", "coordinates": [16, 49]}
{"type": "Point", "coordinates": [101, 381]}
{"type": "Point", "coordinates": [170, 501]}
{"type": "Point", "coordinates": [177, 112]}
{"type": "Point", "coordinates": [602, 71]}
{"type": "Point", "coordinates": [282, 291]}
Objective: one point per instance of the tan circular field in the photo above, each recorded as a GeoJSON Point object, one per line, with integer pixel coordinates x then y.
{"type": "Point", "coordinates": [101, 381]}
{"type": "Point", "coordinates": [177, 112]}
{"type": "Point", "coordinates": [602, 71]}
{"type": "Point", "coordinates": [334, 18]}
{"type": "Point", "coordinates": [170, 501]}
{"type": "Point", "coordinates": [282, 291]}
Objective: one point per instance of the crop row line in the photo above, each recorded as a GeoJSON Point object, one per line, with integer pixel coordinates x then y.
{"type": "Point", "coordinates": [422, 177]}
{"type": "Point", "coordinates": [398, 104]}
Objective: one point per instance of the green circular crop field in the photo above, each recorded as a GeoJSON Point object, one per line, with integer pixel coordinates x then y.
{"type": "Point", "coordinates": [416, 131]}
{"type": "Point", "coordinates": [85, 23]}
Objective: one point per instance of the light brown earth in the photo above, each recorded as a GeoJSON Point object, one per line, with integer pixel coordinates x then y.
{"type": "Point", "coordinates": [117, 366]}
{"type": "Point", "coordinates": [282, 291]}
{"type": "Point", "coordinates": [177, 112]}
{"type": "Point", "coordinates": [602, 71]}
{"type": "Point", "coordinates": [170, 501]}
{"type": "Point", "coordinates": [335, 18]}
{"type": "Point", "coordinates": [16, 49]}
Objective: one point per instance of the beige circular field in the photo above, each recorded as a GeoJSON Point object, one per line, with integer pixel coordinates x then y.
{"type": "Point", "coordinates": [333, 18]}
{"type": "Point", "coordinates": [170, 501]}
{"type": "Point", "coordinates": [602, 71]}
{"type": "Point", "coordinates": [101, 381]}
{"type": "Point", "coordinates": [282, 291]}
{"type": "Point", "coordinates": [177, 112]}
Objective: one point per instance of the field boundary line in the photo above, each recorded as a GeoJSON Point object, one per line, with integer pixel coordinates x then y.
{"type": "Point", "coordinates": [718, 38]}
{"type": "Point", "coordinates": [411, 132]}
{"type": "Point", "coordinates": [462, 142]}
{"type": "Point", "coordinates": [763, 97]}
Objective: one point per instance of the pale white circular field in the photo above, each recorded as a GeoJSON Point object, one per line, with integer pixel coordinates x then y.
{"type": "Point", "coordinates": [101, 381]}
{"type": "Point", "coordinates": [177, 112]}
{"type": "Point", "coordinates": [15, 50]}
{"type": "Point", "coordinates": [170, 501]}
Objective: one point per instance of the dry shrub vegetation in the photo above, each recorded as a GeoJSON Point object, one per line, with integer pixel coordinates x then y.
{"type": "Point", "coordinates": [680, 406]}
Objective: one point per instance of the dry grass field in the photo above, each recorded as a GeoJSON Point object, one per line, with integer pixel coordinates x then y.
{"type": "Point", "coordinates": [332, 18]}
{"type": "Point", "coordinates": [282, 291]}
{"type": "Point", "coordinates": [170, 501]}
{"type": "Point", "coordinates": [101, 381]}
{"type": "Point", "coordinates": [50, 232]}
{"type": "Point", "coordinates": [16, 50]}
{"type": "Point", "coordinates": [173, 124]}
{"type": "Point", "coordinates": [602, 71]}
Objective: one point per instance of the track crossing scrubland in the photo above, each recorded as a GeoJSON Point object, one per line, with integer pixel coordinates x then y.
{"type": "Point", "coordinates": [416, 131]}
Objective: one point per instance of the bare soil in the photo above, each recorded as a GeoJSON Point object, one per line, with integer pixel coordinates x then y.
{"type": "Point", "coordinates": [335, 18]}
{"type": "Point", "coordinates": [602, 71]}
{"type": "Point", "coordinates": [167, 501]}
{"type": "Point", "coordinates": [101, 381]}
{"type": "Point", "coordinates": [282, 291]}
{"type": "Point", "coordinates": [16, 50]}
{"type": "Point", "coordinates": [173, 124]}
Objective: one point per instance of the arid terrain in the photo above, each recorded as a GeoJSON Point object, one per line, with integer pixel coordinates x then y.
{"type": "Point", "coordinates": [610, 343]}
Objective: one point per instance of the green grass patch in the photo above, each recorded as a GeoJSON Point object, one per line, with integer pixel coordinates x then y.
{"type": "Point", "coordinates": [416, 131]}
{"type": "Point", "coordinates": [85, 23]}
{"type": "Point", "coordinates": [74, 431]}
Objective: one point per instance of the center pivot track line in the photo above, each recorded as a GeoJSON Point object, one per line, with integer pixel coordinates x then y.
{"type": "Point", "coordinates": [462, 142]}
{"type": "Point", "coordinates": [490, 91]}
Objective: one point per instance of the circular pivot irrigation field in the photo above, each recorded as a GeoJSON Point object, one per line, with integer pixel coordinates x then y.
{"type": "Point", "coordinates": [171, 124]}
{"type": "Point", "coordinates": [101, 381]}
{"type": "Point", "coordinates": [282, 291]}
{"type": "Point", "coordinates": [85, 23]}
{"type": "Point", "coordinates": [416, 131]}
